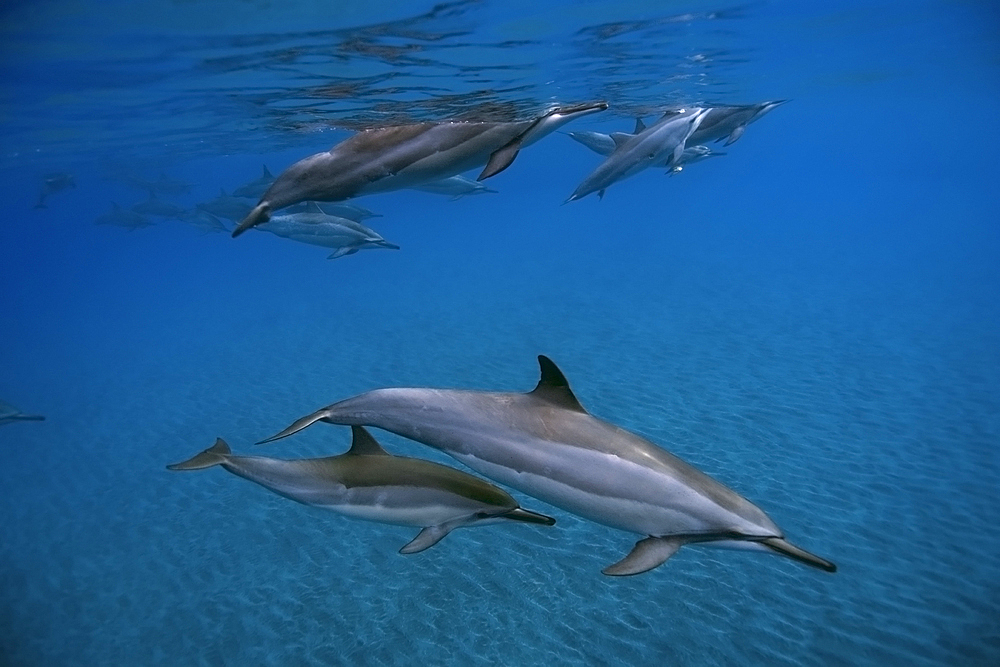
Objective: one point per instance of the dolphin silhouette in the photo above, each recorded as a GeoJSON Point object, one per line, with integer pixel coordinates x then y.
{"type": "Point", "coordinates": [368, 483]}
{"type": "Point", "coordinates": [9, 414]}
{"type": "Point", "coordinates": [405, 156]}
{"type": "Point", "coordinates": [547, 445]}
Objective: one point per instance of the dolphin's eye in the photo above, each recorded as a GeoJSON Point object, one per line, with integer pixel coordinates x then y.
{"type": "Point", "coordinates": [651, 156]}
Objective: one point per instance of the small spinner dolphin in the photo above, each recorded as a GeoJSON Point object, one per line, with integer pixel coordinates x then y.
{"type": "Point", "coordinates": [368, 483]}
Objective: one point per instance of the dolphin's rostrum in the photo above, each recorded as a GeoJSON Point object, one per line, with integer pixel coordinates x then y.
{"type": "Point", "coordinates": [367, 482]}
{"type": "Point", "coordinates": [547, 445]}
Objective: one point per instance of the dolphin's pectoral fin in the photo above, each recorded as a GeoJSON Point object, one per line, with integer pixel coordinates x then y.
{"type": "Point", "coordinates": [785, 548]}
{"type": "Point", "coordinates": [645, 555]}
{"type": "Point", "coordinates": [342, 252]}
{"type": "Point", "coordinates": [500, 159]}
{"type": "Point", "coordinates": [297, 426]}
{"type": "Point", "coordinates": [735, 134]}
{"type": "Point", "coordinates": [425, 539]}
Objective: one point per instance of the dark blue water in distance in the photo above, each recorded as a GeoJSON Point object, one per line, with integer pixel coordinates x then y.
{"type": "Point", "coordinates": [812, 319]}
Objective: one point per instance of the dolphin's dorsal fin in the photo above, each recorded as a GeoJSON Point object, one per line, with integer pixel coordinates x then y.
{"type": "Point", "coordinates": [620, 138]}
{"type": "Point", "coordinates": [554, 388]}
{"type": "Point", "coordinates": [639, 126]}
{"type": "Point", "coordinates": [313, 207]}
{"type": "Point", "coordinates": [267, 173]}
{"type": "Point", "coordinates": [363, 444]}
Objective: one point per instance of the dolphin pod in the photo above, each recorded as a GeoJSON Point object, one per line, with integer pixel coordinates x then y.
{"type": "Point", "coordinates": [605, 145]}
{"type": "Point", "coordinates": [405, 156]}
{"type": "Point", "coordinates": [544, 443]}
{"type": "Point", "coordinates": [368, 483]}
{"type": "Point", "coordinates": [662, 143]}
{"type": "Point", "coordinates": [670, 142]}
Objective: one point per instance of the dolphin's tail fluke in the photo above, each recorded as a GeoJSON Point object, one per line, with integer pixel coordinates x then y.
{"type": "Point", "coordinates": [213, 456]}
{"type": "Point", "coordinates": [258, 216]}
{"type": "Point", "coordinates": [528, 516]}
{"type": "Point", "coordinates": [297, 426]}
{"type": "Point", "coordinates": [788, 549]}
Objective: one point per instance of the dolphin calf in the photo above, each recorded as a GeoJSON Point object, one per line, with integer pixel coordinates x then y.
{"type": "Point", "coordinates": [9, 414]}
{"type": "Point", "coordinates": [317, 228]}
{"type": "Point", "coordinates": [730, 122]}
{"type": "Point", "coordinates": [368, 483]}
{"type": "Point", "coordinates": [662, 143]}
{"type": "Point", "coordinates": [547, 445]}
{"type": "Point", "coordinates": [349, 211]}
{"type": "Point", "coordinates": [455, 187]}
{"type": "Point", "coordinates": [405, 156]}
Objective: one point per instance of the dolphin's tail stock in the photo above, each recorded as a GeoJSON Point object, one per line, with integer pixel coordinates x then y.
{"type": "Point", "coordinates": [528, 516]}
{"type": "Point", "coordinates": [784, 548]}
{"type": "Point", "coordinates": [298, 425]}
{"type": "Point", "coordinates": [213, 456]}
{"type": "Point", "coordinates": [258, 216]}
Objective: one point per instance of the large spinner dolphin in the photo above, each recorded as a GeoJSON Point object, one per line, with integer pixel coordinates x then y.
{"type": "Point", "coordinates": [405, 156]}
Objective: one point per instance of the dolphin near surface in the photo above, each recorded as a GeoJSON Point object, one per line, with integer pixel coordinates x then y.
{"type": "Point", "coordinates": [405, 156]}
{"type": "Point", "coordinates": [730, 122]}
{"type": "Point", "coordinates": [547, 445]}
{"type": "Point", "coordinates": [660, 144]}
{"type": "Point", "coordinates": [368, 483]}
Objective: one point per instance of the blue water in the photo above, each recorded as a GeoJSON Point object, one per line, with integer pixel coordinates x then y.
{"type": "Point", "coordinates": [813, 319]}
